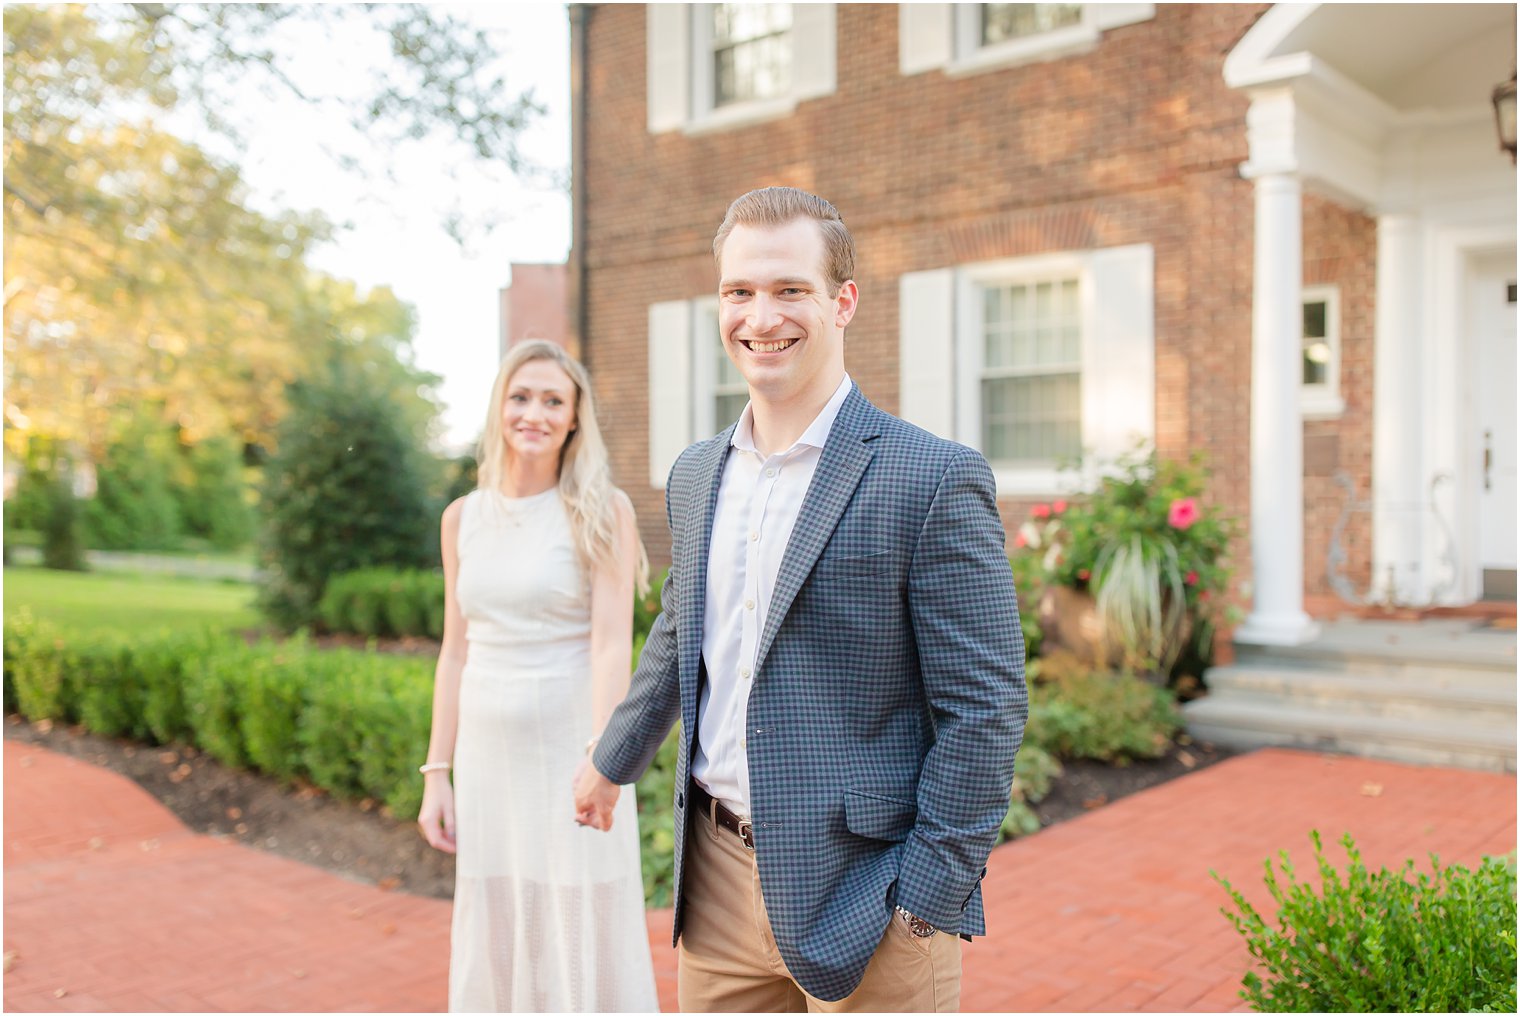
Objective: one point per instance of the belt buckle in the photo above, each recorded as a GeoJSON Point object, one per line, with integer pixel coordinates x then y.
{"type": "Point", "coordinates": [746, 833]}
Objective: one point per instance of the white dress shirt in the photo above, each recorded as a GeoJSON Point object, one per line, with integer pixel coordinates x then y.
{"type": "Point", "coordinates": [758, 501]}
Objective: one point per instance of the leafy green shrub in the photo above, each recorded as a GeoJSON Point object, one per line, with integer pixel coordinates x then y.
{"type": "Point", "coordinates": [273, 698]}
{"type": "Point", "coordinates": [354, 722]}
{"type": "Point", "coordinates": [41, 669]}
{"type": "Point", "coordinates": [212, 494]}
{"type": "Point", "coordinates": [656, 800]}
{"type": "Point", "coordinates": [134, 507]}
{"type": "Point", "coordinates": [164, 664]}
{"type": "Point", "coordinates": [63, 528]}
{"type": "Point", "coordinates": [109, 687]}
{"type": "Point", "coordinates": [647, 607]}
{"type": "Point", "coordinates": [22, 632]}
{"type": "Point", "coordinates": [347, 489]}
{"type": "Point", "coordinates": [1036, 770]}
{"type": "Point", "coordinates": [1382, 942]}
{"type": "Point", "coordinates": [1096, 715]}
{"type": "Point", "coordinates": [384, 601]}
{"type": "Point", "coordinates": [402, 605]}
{"type": "Point", "coordinates": [214, 703]}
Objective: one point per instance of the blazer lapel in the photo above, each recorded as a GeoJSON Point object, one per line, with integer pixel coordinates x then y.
{"type": "Point", "coordinates": [846, 454]}
{"type": "Point", "coordinates": [697, 539]}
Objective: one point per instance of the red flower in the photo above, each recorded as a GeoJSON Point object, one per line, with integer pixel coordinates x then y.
{"type": "Point", "coordinates": [1083, 574]}
{"type": "Point", "coordinates": [1191, 578]}
{"type": "Point", "coordinates": [1040, 511]}
{"type": "Point", "coordinates": [1058, 507]}
{"type": "Point", "coordinates": [1019, 541]}
{"type": "Point", "coordinates": [1183, 513]}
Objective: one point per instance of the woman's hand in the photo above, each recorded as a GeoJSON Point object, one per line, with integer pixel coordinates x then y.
{"type": "Point", "coordinates": [437, 814]}
{"type": "Point", "coordinates": [595, 797]}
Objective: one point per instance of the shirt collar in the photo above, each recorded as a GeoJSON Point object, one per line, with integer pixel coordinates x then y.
{"type": "Point", "coordinates": [815, 435]}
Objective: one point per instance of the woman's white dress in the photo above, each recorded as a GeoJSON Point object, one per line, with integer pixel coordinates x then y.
{"type": "Point", "coordinates": [548, 915]}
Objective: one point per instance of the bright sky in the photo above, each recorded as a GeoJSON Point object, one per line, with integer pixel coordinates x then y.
{"type": "Point", "coordinates": [398, 237]}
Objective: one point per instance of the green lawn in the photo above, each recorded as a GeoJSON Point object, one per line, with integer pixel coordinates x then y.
{"type": "Point", "coordinates": [128, 603]}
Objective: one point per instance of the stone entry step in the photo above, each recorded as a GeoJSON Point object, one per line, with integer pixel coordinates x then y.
{"type": "Point", "coordinates": [1439, 691]}
{"type": "Point", "coordinates": [1252, 724]}
{"type": "Point", "coordinates": [1479, 697]}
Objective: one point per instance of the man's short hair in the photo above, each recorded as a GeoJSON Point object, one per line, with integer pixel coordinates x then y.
{"type": "Point", "coordinates": [777, 206]}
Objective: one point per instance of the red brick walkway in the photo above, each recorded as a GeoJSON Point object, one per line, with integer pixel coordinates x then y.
{"type": "Point", "coordinates": [112, 905]}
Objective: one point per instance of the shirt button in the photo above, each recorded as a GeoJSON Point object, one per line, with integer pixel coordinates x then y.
{"type": "Point", "coordinates": [744, 742]}
{"type": "Point", "coordinates": [770, 472]}
{"type": "Point", "coordinates": [744, 672]}
{"type": "Point", "coordinates": [754, 535]}
{"type": "Point", "coordinates": [749, 604]}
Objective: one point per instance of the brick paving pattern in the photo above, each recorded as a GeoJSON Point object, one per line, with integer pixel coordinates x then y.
{"type": "Point", "coordinates": [112, 905]}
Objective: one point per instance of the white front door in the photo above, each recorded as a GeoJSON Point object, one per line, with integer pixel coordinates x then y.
{"type": "Point", "coordinates": [1491, 302]}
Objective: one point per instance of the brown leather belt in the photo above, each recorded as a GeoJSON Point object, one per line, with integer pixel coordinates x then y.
{"type": "Point", "coordinates": [703, 801]}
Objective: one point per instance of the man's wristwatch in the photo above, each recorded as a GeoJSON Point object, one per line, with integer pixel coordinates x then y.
{"type": "Point", "coordinates": [920, 927]}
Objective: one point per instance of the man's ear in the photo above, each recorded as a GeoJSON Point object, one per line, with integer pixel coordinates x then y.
{"type": "Point", "coordinates": [845, 303]}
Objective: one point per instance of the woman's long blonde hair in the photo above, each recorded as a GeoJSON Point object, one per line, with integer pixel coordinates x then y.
{"type": "Point", "coordinates": [585, 477]}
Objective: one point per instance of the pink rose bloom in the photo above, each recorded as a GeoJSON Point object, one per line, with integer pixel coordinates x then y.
{"type": "Point", "coordinates": [1040, 511]}
{"type": "Point", "coordinates": [1084, 574]}
{"type": "Point", "coordinates": [1058, 507]}
{"type": "Point", "coordinates": [1183, 513]}
{"type": "Point", "coordinates": [1191, 578]}
{"type": "Point", "coordinates": [1019, 541]}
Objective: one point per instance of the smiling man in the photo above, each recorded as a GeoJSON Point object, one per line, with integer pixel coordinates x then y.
{"type": "Point", "coordinates": [840, 640]}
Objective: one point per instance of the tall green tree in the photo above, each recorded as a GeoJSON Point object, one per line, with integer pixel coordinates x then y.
{"type": "Point", "coordinates": [346, 489]}
{"type": "Point", "coordinates": [134, 507]}
{"type": "Point", "coordinates": [137, 271]}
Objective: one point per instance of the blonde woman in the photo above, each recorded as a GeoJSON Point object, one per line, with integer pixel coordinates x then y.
{"type": "Point", "coordinates": [540, 562]}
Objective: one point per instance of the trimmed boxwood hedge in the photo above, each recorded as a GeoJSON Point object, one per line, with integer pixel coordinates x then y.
{"type": "Point", "coordinates": [353, 722]}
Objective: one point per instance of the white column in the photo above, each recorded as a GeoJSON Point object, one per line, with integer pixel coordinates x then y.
{"type": "Point", "coordinates": [1277, 430]}
{"type": "Point", "coordinates": [1397, 419]}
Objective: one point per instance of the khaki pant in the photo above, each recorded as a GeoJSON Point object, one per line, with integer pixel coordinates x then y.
{"type": "Point", "coordinates": [729, 961]}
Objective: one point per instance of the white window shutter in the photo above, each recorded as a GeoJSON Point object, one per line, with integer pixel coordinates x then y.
{"type": "Point", "coordinates": [1119, 357]}
{"type": "Point", "coordinates": [925, 36]}
{"type": "Point", "coordinates": [670, 386]}
{"type": "Point", "coordinates": [668, 47]}
{"type": "Point", "coordinates": [813, 50]}
{"type": "Point", "coordinates": [926, 350]}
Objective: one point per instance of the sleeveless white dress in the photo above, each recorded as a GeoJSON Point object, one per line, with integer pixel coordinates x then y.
{"type": "Point", "coordinates": [548, 915]}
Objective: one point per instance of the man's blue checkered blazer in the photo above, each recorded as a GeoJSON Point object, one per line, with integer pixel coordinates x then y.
{"type": "Point", "coordinates": [888, 698]}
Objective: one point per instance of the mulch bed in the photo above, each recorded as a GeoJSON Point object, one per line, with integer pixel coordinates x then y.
{"type": "Point", "coordinates": [358, 840]}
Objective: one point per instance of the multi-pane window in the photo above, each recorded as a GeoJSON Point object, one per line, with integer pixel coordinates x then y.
{"type": "Point", "coordinates": [752, 52]}
{"type": "Point", "coordinates": [1002, 22]}
{"type": "Point", "coordinates": [1031, 376]}
{"type": "Point", "coordinates": [1316, 342]}
{"type": "Point", "coordinates": [1320, 352]}
{"type": "Point", "coordinates": [729, 392]}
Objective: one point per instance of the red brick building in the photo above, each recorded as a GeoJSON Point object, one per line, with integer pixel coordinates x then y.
{"type": "Point", "coordinates": [535, 305]}
{"type": "Point", "coordinates": [1282, 235]}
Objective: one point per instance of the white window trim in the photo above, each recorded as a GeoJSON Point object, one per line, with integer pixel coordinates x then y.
{"type": "Point", "coordinates": [1013, 480]}
{"type": "Point", "coordinates": [971, 56]}
{"type": "Point", "coordinates": [704, 115]}
{"type": "Point", "coordinates": [682, 381]}
{"type": "Point", "coordinates": [680, 85]}
{"type": "Point", "coordinates": [940, 354]}
{"type": "Point", "coordinates": [1324, 401]}
{"type": "Point", "coordinates": [947, 37]}
{"type": "Point", "coordinates": [705, 349]}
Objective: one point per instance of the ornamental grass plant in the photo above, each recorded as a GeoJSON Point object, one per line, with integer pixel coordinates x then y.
{"type": "Point", "coordinates": [1150, 549]}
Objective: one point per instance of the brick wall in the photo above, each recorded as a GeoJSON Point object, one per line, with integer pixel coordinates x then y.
{"type": "Point", "coordinates": [1137, 141]}
{"type": "Point", "coordinates": [1340, 249]}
